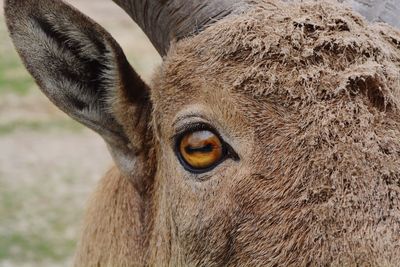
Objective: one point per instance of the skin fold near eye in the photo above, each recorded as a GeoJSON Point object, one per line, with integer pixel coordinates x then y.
{"type": "Point", "coordinates": [201, 149]}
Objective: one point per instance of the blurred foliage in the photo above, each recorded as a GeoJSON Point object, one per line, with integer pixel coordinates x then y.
{"type": "Point", "coordinates": [13, 77]}
{"type": "Point", "coordinates": [42, 126]}
{"type": "Point", "coordinates": [39, 215]}
{"type": "Point", "coordinates": [48, 163]}
{"type": "Point", "coordinates": [25, 238]}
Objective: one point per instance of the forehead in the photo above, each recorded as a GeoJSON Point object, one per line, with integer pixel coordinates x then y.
{"type": "Point", "coordinates": [279, 59]}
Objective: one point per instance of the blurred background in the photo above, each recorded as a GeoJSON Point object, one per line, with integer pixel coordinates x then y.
{"type": "Point", "coordinates": [50, 164]}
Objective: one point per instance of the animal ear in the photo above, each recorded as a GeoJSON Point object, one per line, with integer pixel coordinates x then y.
{"type": "Point", "coordinates": [81, 69]}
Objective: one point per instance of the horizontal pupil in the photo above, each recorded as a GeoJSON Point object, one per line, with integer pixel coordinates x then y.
{"type": "Point", "coordinates": [204, 149]}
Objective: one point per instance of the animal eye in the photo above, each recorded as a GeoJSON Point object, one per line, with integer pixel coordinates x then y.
{"type": "Point", "coordinates": [200, 151]}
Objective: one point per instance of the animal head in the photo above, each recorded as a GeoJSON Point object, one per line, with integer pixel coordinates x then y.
{"type": "Point", "coordinates": [269, 135]}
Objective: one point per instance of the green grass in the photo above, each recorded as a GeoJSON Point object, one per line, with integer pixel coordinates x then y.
{"type": "Point", "coordinates": [36, 219]}
{"type": "Point", "coordinates": [34, 247]}
{"type": "Point", "coordinates": [42, 194]}
{"type": "Point", "coordinates": [39, 126]}
{"type": "Point", "coordinates": [36, 241]}
{"type": "Point", "coordinates": [13, 76]}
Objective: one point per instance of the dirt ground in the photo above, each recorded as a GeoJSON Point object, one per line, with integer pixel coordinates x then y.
{"type": "Point", "coordinates": [48, 163]}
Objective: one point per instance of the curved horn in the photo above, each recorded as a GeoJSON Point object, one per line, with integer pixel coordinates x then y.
{"type": "Point", "coordinates": [378, 10]}
{"type": "Point", "coordinates": [166, 20]}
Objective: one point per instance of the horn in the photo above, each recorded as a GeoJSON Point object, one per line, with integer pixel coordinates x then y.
{"type": "Point", "coordinates": [387, 11]}
{"type": "Point", "coordinates": [167, 20]}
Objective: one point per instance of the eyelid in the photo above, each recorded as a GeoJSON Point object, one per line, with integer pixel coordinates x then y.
{"type": "Point", "coordinates": [193, 127]}
{"type": "Point", "coordinates": [188, 118]}
{"type": "Point", "coordinates": [182, 123]}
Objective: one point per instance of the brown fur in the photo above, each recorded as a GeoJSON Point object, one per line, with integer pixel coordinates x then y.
{"type": "Point", "coordinates": [307, 94]}
{"type": "Point", "coordinates": [113, 216]}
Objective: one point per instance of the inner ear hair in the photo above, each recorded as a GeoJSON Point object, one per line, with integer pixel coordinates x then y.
{"type": "Point", "coordinates": [81, 69]}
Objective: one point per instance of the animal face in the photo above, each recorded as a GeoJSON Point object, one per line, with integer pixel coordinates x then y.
{"type": "Point", "coordinates": [270, 138]}
{"type": "Point", "coordinates": [306, 101]}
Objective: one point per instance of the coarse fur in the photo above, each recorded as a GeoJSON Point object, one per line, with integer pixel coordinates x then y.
{"type": "Point", "coordinates": [307, 94]}
{"type": "Point", "coordinates": [310, 101]}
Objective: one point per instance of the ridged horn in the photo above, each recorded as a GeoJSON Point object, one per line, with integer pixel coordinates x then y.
{"type": "Point", "coordinates": [166, 20]}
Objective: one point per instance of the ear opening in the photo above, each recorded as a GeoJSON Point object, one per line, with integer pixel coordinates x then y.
{"type": "Point", "coordinates": [81, 69]}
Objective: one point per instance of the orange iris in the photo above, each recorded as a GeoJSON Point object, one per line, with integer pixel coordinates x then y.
{"type": "Point", "coordinates": [201, 149]}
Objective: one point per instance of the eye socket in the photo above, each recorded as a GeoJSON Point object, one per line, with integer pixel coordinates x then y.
{"type": "Point", "coordinates": [200, 150]}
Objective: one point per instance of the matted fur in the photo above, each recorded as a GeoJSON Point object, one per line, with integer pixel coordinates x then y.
{"type": "Point", "coordinates": [308, 95]}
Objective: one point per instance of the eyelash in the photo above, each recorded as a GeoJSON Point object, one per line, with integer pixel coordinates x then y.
{"type": "Point", "coordinates": [194, 127]}
{"type": "Point", "coordinates": [229, 152]}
